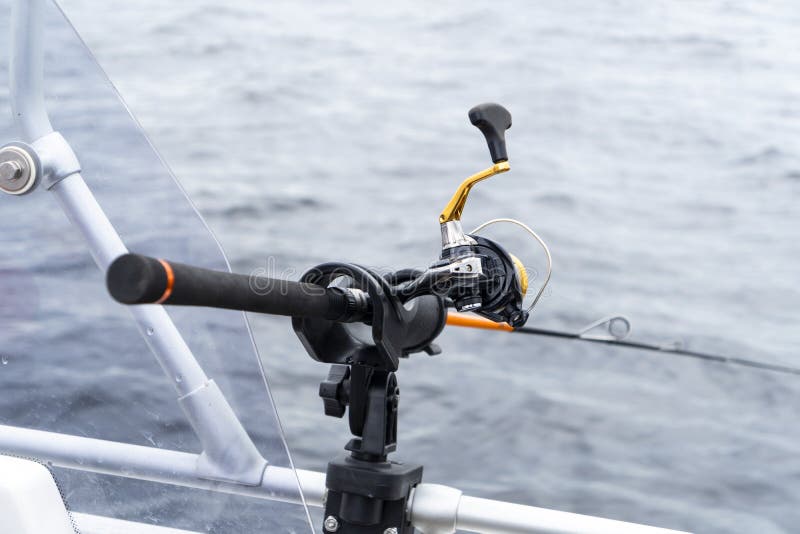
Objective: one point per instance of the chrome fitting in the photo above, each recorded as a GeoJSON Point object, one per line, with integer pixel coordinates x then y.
{"type": "Point", "coordinates": [453, 235]}
{"type": "Point", "coordinates": [20, 169]}
{"type": "Point", "coordinates": [331, 524]}
{"type": "Point", "coordinates": [434, 508]}
{"type": "Point", "coordinates": [466, 267]}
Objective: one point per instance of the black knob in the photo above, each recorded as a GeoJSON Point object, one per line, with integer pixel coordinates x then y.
{"type": "Point", "coordinates": [334, 390]}
{"type": "Point", "coordinates": [493, 120]}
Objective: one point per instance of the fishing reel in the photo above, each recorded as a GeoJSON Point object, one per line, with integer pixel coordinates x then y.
{"type": "Point", "coordinates": [475, 273]}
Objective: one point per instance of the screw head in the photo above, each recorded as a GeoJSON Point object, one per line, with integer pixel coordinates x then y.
{"type": "Point", "coordinates": [390, 530]}
{"type": "Point", "coordinates": [331, 524]}
{"type": "Point", "coordinates": [10, 170]}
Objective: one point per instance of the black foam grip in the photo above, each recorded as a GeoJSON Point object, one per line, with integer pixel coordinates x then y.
{"type": "Point", "coordinates": [492, 120]}
{"type": "Point", "coordinates": [136, 279]}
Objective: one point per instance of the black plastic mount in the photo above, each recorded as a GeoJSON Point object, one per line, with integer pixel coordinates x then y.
{"type": "Point", "coordinates": [493, 120]}
{"type": "Point", "coordinates": [368, 493]}
{"type": "Point", "coordinates": [369, 497]}
{"type": "Point", "coordinates": [373, 397]}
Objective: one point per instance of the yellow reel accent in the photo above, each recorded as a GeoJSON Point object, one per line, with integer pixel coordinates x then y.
{"type": "Point", "coordinates": [522, 273]}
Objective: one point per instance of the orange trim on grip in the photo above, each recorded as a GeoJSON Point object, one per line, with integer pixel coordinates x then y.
{"type": "Point", "coordinates": [170, 281]}
{"type": "Point", "coordinates": [473, 321]}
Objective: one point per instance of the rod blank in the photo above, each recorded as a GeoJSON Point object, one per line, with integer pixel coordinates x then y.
{"type": "Point", "coordinates": [456, 319]}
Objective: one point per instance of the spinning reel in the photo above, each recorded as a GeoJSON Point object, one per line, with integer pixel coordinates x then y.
{"type": "Point", "coordinates": [475, 273]}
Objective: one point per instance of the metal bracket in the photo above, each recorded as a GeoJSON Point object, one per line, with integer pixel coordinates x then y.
{"type": "Point", "coordinates": [229, 456]}
{"type": "Point", "coordinates": [48, 160]}
{"type": "Point", "coordinates": [57, 158]}
{"type": "Point", "coordinates": [433, 508]}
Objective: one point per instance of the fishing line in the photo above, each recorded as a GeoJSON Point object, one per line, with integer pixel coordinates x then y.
{"type": "Point", "coordinates": [454, 319]}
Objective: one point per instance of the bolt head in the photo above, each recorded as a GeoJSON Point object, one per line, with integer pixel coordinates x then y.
{"type": "Point", "coordinates": [18, 169]}
{"type": "Point", "coordinates": [331, 524]}
{"type": "Point", "coordinates": [10, 170]}
{"type": "Point", "coordinates": [390, 530]}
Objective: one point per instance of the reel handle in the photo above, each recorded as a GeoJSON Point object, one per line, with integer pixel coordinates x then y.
{"type": "Point", "coordinates": [492, 120]}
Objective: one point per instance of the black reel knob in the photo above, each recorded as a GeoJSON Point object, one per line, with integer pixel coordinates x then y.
{"type": "Point", "coordinates": [493, 120]}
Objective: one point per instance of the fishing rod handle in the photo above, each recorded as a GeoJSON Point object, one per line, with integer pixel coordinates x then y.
{"type": "Point", "coordinates": [137, 279]}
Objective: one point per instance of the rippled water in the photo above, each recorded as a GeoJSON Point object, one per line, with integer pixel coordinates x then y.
{"type": "Point", "coordinates": [656, 147]}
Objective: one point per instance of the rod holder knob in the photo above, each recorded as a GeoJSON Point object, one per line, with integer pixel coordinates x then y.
{"type": "Point", "coordinates": [492, 120]}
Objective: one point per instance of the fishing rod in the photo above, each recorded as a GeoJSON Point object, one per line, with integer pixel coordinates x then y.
{"type": "Point", "coordinates": [616, 339]}
{"type": "Point", "coordinates": [330, 306]}
{"type": "Point", "coordinates": [363, 323]}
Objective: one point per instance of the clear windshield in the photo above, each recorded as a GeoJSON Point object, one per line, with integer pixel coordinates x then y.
{"type": "Point", "coordinates": [73, 361]}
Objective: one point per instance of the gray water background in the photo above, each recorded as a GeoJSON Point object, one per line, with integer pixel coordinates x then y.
{"type": "Point", "coordinates": [655, 147]}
